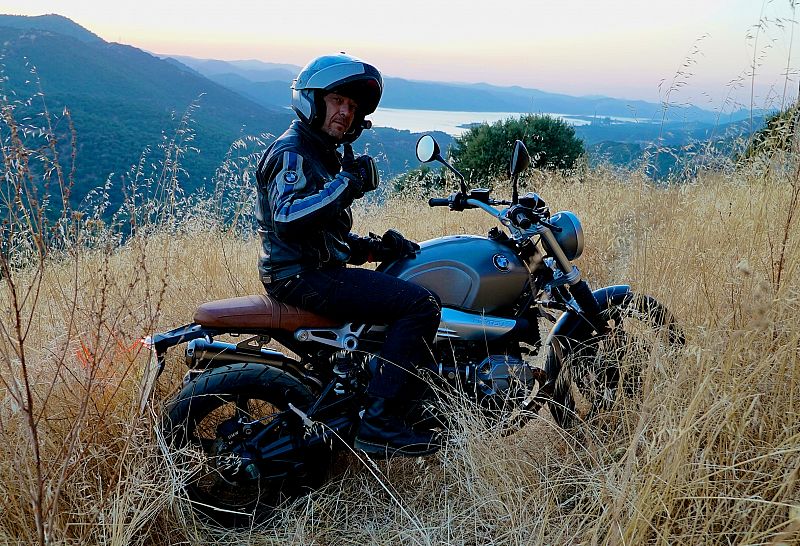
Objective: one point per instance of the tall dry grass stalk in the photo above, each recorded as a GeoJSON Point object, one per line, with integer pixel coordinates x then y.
{"type": "Point", "coordinates": [78, 462]}
{"type": "Point", "coordinates": [710, 455]}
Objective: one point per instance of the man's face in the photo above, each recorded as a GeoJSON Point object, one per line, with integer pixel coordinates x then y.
{"type": "Point", "coordinates": [339, 114]}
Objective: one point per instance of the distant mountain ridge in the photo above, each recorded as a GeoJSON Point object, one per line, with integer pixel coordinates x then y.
{"type": "Point", "coordinates": [251, 78]}
{"type": "Point", "coordinates": [51, 23]}
{"type": "Point", "coordinates": [252, 70]}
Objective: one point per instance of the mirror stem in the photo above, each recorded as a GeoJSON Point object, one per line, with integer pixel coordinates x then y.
{"type": "Point", "coordinates": [514, 191]}
{"type": "Point", "coordinates": [454, 171]}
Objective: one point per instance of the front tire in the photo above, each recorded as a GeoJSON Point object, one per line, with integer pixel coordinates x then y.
{"type": "Point", "coordinates": [590, 374]}
{"type": "Point", "coordinates": [207, 425]}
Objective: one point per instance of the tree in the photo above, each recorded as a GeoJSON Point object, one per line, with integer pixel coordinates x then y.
{"type": "Point", "coordinates": [485, 150]}
{"type": "Point", "coordinates": [423, 180]}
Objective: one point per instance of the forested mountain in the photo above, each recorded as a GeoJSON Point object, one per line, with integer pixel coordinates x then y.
{"type": "Point", "coordinates": [126, 103]}
{"type": "Point", "coordinates": [52, 23]}
{"type": "Point", "coordinates": [122, 101]}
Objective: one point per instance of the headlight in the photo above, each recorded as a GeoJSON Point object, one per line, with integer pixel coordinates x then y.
{"type": "Point", "coordinates": [570, 238]}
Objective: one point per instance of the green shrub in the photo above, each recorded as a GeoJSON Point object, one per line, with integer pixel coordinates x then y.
{"type": "Point", "coordinates": [484, 150]}
{"type": "Point", "coordinates": [777, 134]}
{"type": "Point", "coordinates": [423, 180]}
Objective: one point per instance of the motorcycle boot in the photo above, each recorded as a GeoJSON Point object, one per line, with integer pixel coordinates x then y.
{"type": "Point", "coordinates": [382, 432]}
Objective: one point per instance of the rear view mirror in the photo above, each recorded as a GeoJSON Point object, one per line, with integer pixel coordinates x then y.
{"type": "Point", "coordinates": [520, 158]}
{"type": "Point", "coordinates": [427, 149]}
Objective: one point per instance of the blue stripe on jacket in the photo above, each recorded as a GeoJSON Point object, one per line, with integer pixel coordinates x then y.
{"type": "Point", "coordinates": [289, 182]}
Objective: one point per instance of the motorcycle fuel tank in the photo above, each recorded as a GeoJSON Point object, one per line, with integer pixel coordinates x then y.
{"type": "Point", "coordinates": [466, 272]}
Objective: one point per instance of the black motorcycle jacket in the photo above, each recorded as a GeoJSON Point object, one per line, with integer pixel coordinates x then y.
{"type": "Point", "coordinates": [303, 207]}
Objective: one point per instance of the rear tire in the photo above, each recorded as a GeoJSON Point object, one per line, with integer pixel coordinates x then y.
{"type": "Point", "coordinates": [205, 426]}
{"type": "Point", "coordinates": [591, 374]}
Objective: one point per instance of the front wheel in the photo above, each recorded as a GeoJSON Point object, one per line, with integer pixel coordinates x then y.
{"type": "Point", "coordinates": [589, 375]}
{"type": "Point", "coordinates": [207, 428]}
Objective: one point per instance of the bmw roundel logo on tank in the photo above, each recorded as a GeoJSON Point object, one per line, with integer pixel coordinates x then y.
{"type": "Point", "coordinates": [501, 262]}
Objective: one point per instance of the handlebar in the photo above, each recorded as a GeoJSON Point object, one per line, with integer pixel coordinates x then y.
{"type": "Point", "coordinates": [519, 216]}
{"type": "Point", "coordinates": [461, 201]}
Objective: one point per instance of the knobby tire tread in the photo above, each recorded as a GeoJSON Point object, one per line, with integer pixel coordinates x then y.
{"type": "Point", "coordinates": [254, 380]}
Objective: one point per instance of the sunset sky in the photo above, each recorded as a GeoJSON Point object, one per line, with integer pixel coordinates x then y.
{"type": "Point", "coordinates": [620, 48]}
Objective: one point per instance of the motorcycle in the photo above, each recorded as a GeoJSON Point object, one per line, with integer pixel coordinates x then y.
{"type": "Point", "coordinates": [258, 425]}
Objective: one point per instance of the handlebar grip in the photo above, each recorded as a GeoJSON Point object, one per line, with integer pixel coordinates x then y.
{"type": "Point", "coordinates": [438, 202]}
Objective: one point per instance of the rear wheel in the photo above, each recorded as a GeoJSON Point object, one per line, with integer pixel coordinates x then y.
{"type": "Point", "coordinates": [208, 426]}
{"type": "Point", "coordinates": [590, 375]}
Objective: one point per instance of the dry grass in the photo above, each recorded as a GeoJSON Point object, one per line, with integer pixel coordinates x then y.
{"type": "Point", "coordinates": [710, 456]}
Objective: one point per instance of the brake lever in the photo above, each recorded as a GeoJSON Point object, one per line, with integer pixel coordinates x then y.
{"type": "Point", "coordinates": [554, 228]}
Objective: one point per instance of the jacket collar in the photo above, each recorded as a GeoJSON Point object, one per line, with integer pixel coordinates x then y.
{"type": "Point", "coordinates": [323, 144]}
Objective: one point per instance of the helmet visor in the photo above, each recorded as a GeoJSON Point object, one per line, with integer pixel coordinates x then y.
{"type": "Point", "coordinates": [366, 94]}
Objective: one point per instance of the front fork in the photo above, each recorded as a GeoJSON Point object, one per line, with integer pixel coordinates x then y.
{"type": "Point", "coordinates": [576, 296]}
{"type": "Point", "coordinates": [589, 306]}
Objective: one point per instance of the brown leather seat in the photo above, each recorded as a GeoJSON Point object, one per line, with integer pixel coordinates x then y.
{"type": "Point", "coordinates": [258, 312]}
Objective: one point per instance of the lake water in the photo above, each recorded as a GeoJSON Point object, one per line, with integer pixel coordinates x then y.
{"type": "Point", "coordinates": [419, 121]}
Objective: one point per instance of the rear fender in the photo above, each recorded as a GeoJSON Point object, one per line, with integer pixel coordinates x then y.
{"type": "Point", "coordinates": [571, 325]}
{"type": "Point", "coordinates": [157, 344]}
{"type": "Point", "coordinates": [164, 340]}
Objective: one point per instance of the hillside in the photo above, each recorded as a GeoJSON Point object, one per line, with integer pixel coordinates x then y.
{"type": "Point", "coordinates": [57, 24]}
{"type": "Point", "coordinates": [126, 105]}
{"type": "Point", "coordinates": [705, 449]}
{"type": "Point", "coordinates": [122, 101]}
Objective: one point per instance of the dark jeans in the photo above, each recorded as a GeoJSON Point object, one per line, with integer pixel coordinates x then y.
{"type": "Point", "coordinates": [352, 294]}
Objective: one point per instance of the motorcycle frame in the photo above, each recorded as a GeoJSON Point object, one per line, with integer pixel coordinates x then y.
{"type": "Point", "coordinates": [325, 419]}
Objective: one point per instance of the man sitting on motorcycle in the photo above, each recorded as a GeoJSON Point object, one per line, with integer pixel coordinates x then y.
{"type": "Point", "coordinates": [305, 189]}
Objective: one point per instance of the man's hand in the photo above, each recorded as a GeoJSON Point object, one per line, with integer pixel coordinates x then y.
{"type": "Point", "coordinates": [396, 246]}
{"type": "Point", "coordinates": [391, 246]}
{"type": "Point", "coordinates": [362, 168]}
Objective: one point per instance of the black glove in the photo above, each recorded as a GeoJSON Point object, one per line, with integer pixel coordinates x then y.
{"type": "Point", "coordinates": [395, 246]}
{"type": "Point", "coordinates": [365, 166]}
{"type": "Point", "coordinates": [362, 169]}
